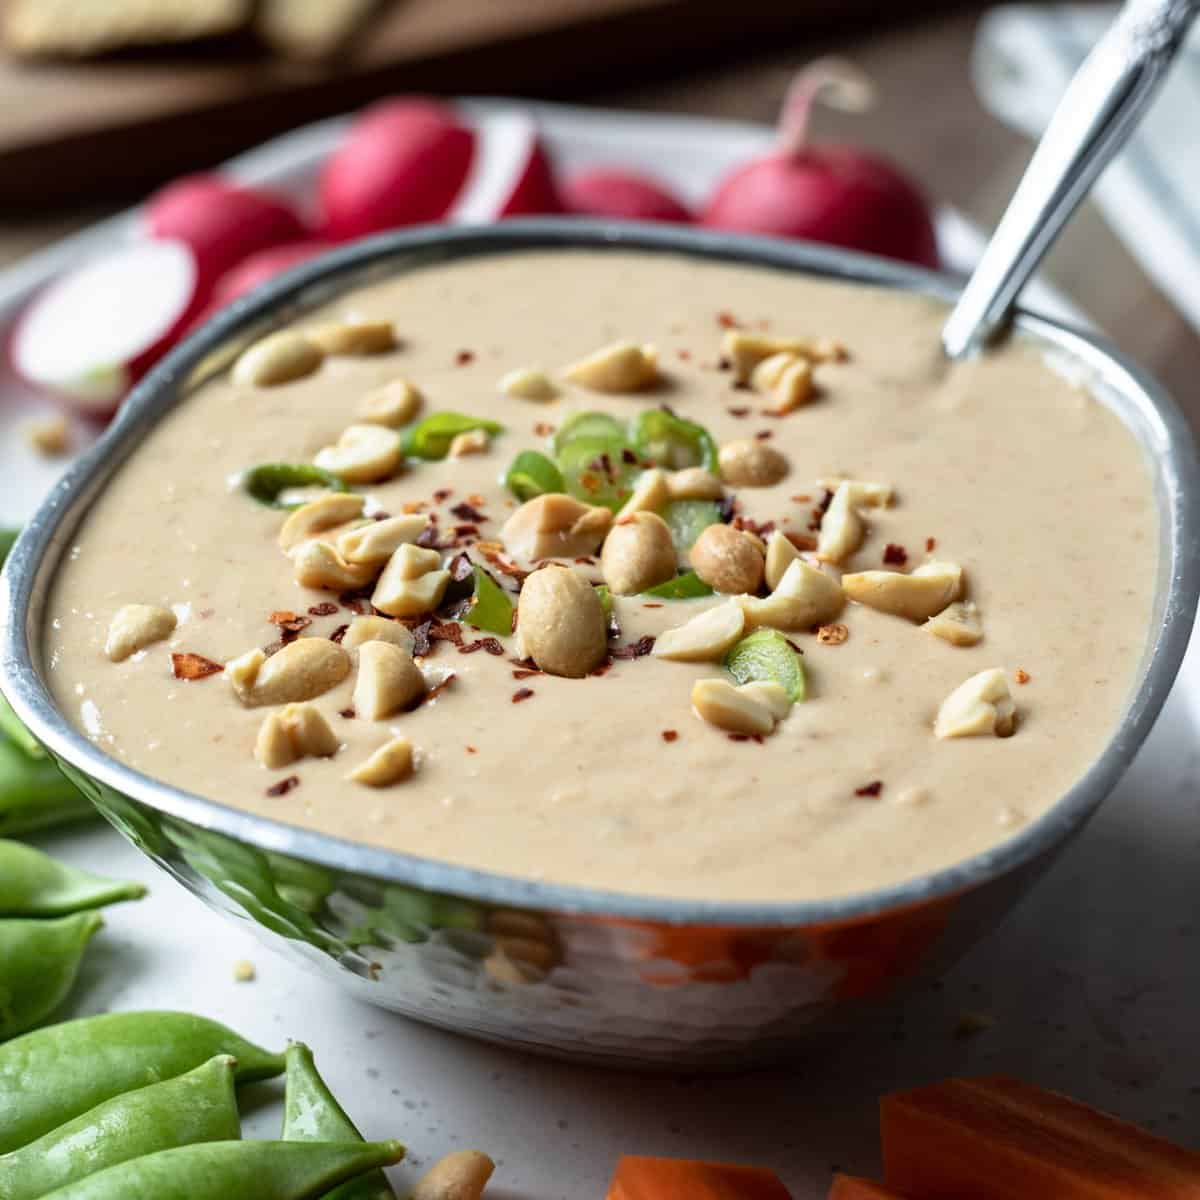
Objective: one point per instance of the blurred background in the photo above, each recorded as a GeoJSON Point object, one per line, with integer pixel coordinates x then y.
{"type": "Point", "coordinates": [101, 103]}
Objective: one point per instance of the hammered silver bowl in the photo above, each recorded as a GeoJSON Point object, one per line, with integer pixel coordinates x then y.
{"type": "Point", "coordinates": [573, 971]}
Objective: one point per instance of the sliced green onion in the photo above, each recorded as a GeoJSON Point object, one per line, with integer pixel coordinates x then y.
{"type": "Point", "coordinates": [431, 438]}
{"type": "Point", "coordinates": [688, 586]}
{"type": "Point", "coordinates": [491, 609]}
{"type": "Point", "coordinates": [532, 474]}
{"type": "Point", "coordinates": [605, 598]}
{"type": "Point", "coordinates": [673, 442]}
{"type": "Point", "coordinates": [588, 425]}
{"type": "Point", "coordinates": [767, 655]}
{"type": "Point", "coordinates": [595, 470]}
{"type": "Point", "coordinates": [268, 482]}
{"type": "Point", "coordinates": [688, 519]}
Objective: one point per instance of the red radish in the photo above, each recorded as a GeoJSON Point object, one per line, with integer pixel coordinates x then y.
{"type": "Point", "coordinates": [266, 264]}
{"type": "Point", "coordinates": [402, 162]}
{"type": "Point", "coordinates": [510, 174]}
{"type": "Point", "coordinates": [95, 330]}
{"type": "Point", "coordinates": [405, 161]}
{"type": "Point", "coordinates": [222, 222]}
{"type": "Point", "coordinates": [827, 193]}
{"type": "Point", "coordinates": [609, 192]}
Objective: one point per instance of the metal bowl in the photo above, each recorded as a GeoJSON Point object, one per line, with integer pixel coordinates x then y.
{"type": "Point", "coordinates": [585, 973]}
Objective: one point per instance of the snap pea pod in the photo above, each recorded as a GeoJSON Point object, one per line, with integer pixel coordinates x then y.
{"type": "Point", "coordinates": [38, 964]}
{"type": "Point", "coordinates": [768, 656]}
{"type": "Point", "coordinates": [688, 586]}
{"type": "Point", "coordinates": [54, 1074]}
{"type": "Point", "coordinates": [431, 437]}
{"type": "Point", "coordinates": [234, 1171]}
{"type": "Point", "coordinates": [268, 482]}
{"type": "Point", "coordinates": [491, 609]}
{"type": "Point", "coordinates": [33, 884]}
{"type": "Point", "coordinates": [532, 474]}
{"type": "Point", "coordinates": [12, 729]}
{"type": "Point", "coordinates": [311, 1114]}
{"type": "Point", "coordinates": [200, 1106]}
{"type": "Point", "coordinates": [672, 441]}
{"type": "Point", "coordinates": [34, 793]}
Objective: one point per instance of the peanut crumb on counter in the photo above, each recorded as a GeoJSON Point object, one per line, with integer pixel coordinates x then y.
{"type": "Point", "coordinates": [49, 436]}
{"type": "Point", "coordinates": [244, 971]}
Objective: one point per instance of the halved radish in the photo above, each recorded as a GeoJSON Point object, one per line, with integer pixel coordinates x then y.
{"type": "Point", "coordinates": [509, 174]}
{"type": "Point", "coordinates": [222, 222]}
{"type": "Point", "coordinates": [612, 192]}
{"type": "Point", "coordinates": [91, 333]}
{"type": "Point", "coordinates": [402, 162]}
{"type": "Point", "coordinates": [266, 264]}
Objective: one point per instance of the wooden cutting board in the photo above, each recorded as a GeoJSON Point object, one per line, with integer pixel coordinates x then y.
{"type": "Point", "coordinates": [109, 129]}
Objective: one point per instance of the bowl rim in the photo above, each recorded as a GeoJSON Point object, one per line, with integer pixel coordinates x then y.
{"type": "Point", "coordinates": [1164, 434]}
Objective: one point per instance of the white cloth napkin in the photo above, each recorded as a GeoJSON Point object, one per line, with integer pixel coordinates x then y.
{"type": "Point", "coordinates": [1024, 57]}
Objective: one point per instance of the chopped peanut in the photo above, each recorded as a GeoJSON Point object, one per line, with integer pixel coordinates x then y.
{"type": "Point", "coordinates": [136, 626]}
{"type": "Point", "coordinates": [389, 764]}
{"type": "Point", "coordinates": [621, 367]}
{"type": "Point", "coordinates": [981, 705]}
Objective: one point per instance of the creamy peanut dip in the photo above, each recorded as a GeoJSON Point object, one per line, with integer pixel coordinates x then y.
{"type": "Point", "coordinates": [935, 709]}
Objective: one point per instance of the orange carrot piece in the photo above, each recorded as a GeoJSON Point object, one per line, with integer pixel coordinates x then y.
{"type": "Point", "coordinates": [639, 1178]}
{"type": "Point", "coordinates": [998, 1138]}
{"type": "Point", "coordinates": [850, 1187]}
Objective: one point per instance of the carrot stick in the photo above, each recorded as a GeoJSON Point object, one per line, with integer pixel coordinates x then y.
{"type": "Point", "coordinates": [638, 1178]}
{"type": "Point", "coordinates": [998, 1138]}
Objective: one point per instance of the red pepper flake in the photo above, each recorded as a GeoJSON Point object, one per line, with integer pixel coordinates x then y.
{"type": "Point", "coordinates": [930, 545]}
{"type": "Point", "coordinates": [819, 512]}
{"type": "Point", "coordinates": [727, 320]}
{"type": "Point", "coordinates": [442, 494]}
{"type": "Point", "coordinates": [338, 633]}
{"type": "Point", "coordinates": [476, 499]}
{"type": "Point", "coordinates": [653, 604]}
{"type": "Point", "coordinates": [521, 694]}
{"type": "Point", "coordinates": [437, 689]}
{"type": "Point", "coordinates": [194, 666]}
{"type": "Point", "coordinates": [428, 538]}
{"type": "Point", "coordinates": [468, 512]}
{"type": "Point", "coordinates": [445, 631]}
{"type": "Point", "coordinates": [762, 529]}
{"type": "Point", "coordinates": [763, 435]}
{"type": "Point", "coordinates": [284, 786]}
{"type": "Point", "coordinates": [413, 506]}
{"type": "Point", "coordinates": [325, 609]}
{"type": "Point", "coordinates": [670, 735]}
{"type": "Point", "coordinates": [894, 555]}
{"type": "Point", "coordinates": [724, 364]}
{"type": "Point", "coordinates": [738, 410]}
{"type": "Point", "coordinates": [585, 560]}
{"type": "Point", "coordinates": [757, 738]}
{"type": "Point", "coordinates": [348, 713]}
{"type": "Point", "coordinates": [870, 789]}
{"type": "Point", "coordinates": [543, 429]}
{"type": "Point", "coordinates": [525, 673]}
{"type": "Point", "coordinates": [803, 498]}
{"type": "Point", "coordinates": [685, 355]}
{"type": "Point", "coordinates": [602, 669]}
{"type": "Point", "coordinates": [490, 644]}
{"type": "Point", "coordinates": [355, 599]}
{"type": "Point", "coordinates": [461, 568]}
{"type": "Point", "coordinates": [639, 649]}
{"type": "Point", "coordinates": [463, 357]}
{"type": "Point", "coordinates": [1022, 676]}
{"type": "Point", "coordinates": [466, 531]}
{"type": "Point", "coordinates": [471, 749]}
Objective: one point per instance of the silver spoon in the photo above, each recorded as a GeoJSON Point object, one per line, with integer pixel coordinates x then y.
{"type": "Point", "coordinates": [1100, 109]}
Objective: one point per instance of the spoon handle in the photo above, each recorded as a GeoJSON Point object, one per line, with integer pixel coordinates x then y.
{"type": "Point", "coordinates": [1101, 108]}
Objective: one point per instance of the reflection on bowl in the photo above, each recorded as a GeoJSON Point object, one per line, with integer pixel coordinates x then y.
{"type": "Point", "coordinates": [570, 970]}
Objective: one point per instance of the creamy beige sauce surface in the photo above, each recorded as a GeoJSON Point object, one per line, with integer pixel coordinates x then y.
{"type": "Point", "coordinates": [1035, 488]}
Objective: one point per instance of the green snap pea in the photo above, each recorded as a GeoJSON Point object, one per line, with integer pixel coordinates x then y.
{"type": "Point", "coordinates": [688, 586]}
{"type": "Point", "coordinates": [34, 793]}
{"type": "Point", "coordinates": [688, 519]}
{"type": "Point", "coordinates": [12, 729]}
{"type": "Point", "coordinates": [33, 884]}
{"type": "Point", "coordinates": [532, 474]}
{"type": "Point", "coordinates": [491, 609]}
{"type": "Point", "coordinates": [431, 438]}
{"type": "Point", "coordinates": [200, 1106]}
{"type": "Point", "coordinates": [235, 1171]}
{"type": "Point", "coordinates": [767, 655]}
{"type": "Point", "coordinates": [38, 964]}
{"type": "Point", "coordinates": [268, 482]}
{"type": "Point", "coordinates": [54, 1074]}
{"type": "Point", "coordinates": [673, 442]}
{"type": "Point", "coordinates": [311, 1114]}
